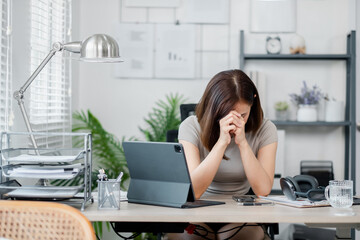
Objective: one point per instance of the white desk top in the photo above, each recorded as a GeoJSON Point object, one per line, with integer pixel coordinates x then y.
{"type": "Point", "coordinates": [229, 212]}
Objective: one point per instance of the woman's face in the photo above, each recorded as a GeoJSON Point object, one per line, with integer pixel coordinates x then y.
{"type": "Point", "coordinates": [243, 108]}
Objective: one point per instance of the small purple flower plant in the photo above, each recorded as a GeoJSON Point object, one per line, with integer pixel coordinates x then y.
{"type": "Point", "coordinates": [308, 96]}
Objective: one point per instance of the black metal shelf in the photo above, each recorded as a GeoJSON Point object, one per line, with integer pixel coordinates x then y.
{"type": "Point", "coordinates": [296, 56]}
{"type": "Point", "coordinates": [318, 123]}
{"type": "Point", "coordinates": [349, 124]}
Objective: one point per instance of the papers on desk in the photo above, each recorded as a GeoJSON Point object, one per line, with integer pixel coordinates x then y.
{"type": "Point", "coordinates": [301, 203]}
{"type": "Point", "coordinates": [46, 172]}
{"type": "Point", "coordinates": [39, 158]}
{"type": "Point", "coordinates": [42, 193]}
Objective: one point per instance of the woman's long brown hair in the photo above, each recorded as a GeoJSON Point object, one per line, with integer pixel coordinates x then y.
{"type": "Point", "coordinates": [223, 91]}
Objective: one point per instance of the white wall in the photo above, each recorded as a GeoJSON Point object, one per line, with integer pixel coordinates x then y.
{"type": "Point", "coordinates": [121, 104]}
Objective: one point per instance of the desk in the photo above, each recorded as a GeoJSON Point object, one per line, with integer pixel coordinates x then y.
{"type": "Point", "coordinates": [231, 212]}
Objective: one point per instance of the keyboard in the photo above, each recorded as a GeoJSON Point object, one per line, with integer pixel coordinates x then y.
{"type": "Point", "coordinates": [201, 203]}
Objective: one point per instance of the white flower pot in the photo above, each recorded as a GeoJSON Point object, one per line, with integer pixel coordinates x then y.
{"type": "Point", "coordinates": [307, 113]}
{"type": "Point", "coordinates": [334, 111]}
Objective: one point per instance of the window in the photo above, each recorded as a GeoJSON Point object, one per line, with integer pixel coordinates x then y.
{"type": "Point", "coordinates": [50, 100]}
{"type": "Point", "coordinates": [5, 66]}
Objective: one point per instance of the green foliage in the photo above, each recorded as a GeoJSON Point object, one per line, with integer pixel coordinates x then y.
{"type": "Point", "coordinates": [165, 116]}
{"type": "Point", "coordinates": [281, 106]}
{"type": "Point", "coordinates": [107, 150]}
{"type": "Point", "coordinates": [107, 153]}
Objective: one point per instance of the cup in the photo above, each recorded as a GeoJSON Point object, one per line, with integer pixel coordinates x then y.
{"type": "Point", "coordinates": [109, 194]}
{"type": "Point", "coordinates": [339, 193]}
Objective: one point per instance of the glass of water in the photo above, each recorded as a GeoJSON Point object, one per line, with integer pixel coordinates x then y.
{"type": "Point", "coordinates": [339, 193]}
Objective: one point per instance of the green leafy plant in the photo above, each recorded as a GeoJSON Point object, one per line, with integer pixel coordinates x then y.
{"type": "Point", "coordinates": [281, 106]}
{"type": "Point", "coordinates": [107, 153]}
{"type": "Point", "coordinates": [107, 150]}
{"type": "Point", "coordinates": [164, 117]}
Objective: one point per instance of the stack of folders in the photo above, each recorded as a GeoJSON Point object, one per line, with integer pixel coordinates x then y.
{"type": "Point", "coordinates": [45, 172]}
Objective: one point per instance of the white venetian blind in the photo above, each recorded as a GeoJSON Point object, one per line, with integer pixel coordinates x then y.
{"type": "Point", "coordinates": [5, 65]}
{"type": "Point", "coordinates": [50, 100]}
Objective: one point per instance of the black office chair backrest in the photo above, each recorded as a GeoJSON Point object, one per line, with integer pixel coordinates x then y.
{"type": "Point", "coordinates": [322, 170]}
{"type": "Point", "coordinates": [186, 110]}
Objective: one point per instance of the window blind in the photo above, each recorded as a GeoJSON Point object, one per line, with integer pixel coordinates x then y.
{"type": "Point", "coordinates": [50, 99]}
{"type": "Point", "coordinates": [5, 66]}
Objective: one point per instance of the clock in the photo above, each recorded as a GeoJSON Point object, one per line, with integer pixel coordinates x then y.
{"type": "Point", "coordinates": [273, 45]}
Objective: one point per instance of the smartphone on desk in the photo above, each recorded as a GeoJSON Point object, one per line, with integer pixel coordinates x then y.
{"type": "Point", "coordinates": [244, 198]}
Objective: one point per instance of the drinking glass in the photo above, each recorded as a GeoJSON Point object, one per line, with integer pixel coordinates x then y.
{"type": "Point", "coordinates": [339, 193]}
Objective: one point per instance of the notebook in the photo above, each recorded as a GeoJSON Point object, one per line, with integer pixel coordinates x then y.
{"type": "Point", "coordinates": [300, 203]}
{"type": "Point", "coordinates": [159, 175]}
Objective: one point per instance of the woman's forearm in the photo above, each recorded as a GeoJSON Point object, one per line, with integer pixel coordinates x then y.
{"type": "Point", "coordinates": [204, 173]}
{"type": "Point", "coordinates": [257, 176]}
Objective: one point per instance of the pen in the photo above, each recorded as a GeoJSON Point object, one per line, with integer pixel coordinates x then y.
{"type": "Point", "coordinates": [255, 203]}
{"type": "Point", "coordinates": [118, 179]}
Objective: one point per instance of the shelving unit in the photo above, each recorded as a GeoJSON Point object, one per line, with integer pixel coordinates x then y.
{"type": "Point", "coordinates": [20, 161]}
{"type": "Point", "coordinates": [349, 124]}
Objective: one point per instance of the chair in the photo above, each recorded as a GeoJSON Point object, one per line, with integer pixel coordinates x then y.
{"type": "Point", "coordinates": [43, 220]}
{"type": "Point", "coordinates": [185, 111]}
{"type": "Point", "coordinates": [323, 171]}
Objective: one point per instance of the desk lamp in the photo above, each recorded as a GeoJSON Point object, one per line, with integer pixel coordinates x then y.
{"type": "Point", "coordinates": [96, 48]}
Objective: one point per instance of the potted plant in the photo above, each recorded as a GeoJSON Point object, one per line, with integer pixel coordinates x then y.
{"type": "Point", "coordinates": [307, 102]}
{"type": "Point", "coordinates": [108, 152]}
{"type": "Point", "coordinates": [281, 108]}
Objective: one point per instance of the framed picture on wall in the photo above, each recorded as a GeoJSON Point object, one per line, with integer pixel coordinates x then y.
{"type": "Point", "coordinates": [175, 51]}
{"type": "Point", "coordinates": [136, 46]}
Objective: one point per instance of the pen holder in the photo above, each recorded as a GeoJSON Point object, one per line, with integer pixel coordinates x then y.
{"type": "Point", "coordinates": [109, 194]}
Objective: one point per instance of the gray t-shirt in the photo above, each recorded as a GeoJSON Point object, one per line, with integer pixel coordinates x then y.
{"type": "Point", "coordinates": [230, 177]}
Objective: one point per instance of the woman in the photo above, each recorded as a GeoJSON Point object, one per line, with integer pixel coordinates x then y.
{"type": "Point", "coordinates": [229, 147]}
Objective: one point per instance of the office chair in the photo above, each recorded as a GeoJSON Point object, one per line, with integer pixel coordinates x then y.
{"type": "Point", "coordinates": [43, 220]}
{"type": "Point", "coordinates": [185, 111]}
{"type": "Point", "coordinates": [323, 171]}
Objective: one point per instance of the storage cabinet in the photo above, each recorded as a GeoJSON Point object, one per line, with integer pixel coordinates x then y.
{"type": "Point", "coordinates": [349, 125]}
{"type": "Point", "coordinates": [20, 162]}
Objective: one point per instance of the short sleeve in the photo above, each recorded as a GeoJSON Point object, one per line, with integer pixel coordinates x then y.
{"type": "Point", "coordinates": [267, 134]}
{"type": "Point", "coordinates": [189, 130]}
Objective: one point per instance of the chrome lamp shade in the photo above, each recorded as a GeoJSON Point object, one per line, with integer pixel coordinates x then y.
{"type": "Point", "coordinates": [100, 48]}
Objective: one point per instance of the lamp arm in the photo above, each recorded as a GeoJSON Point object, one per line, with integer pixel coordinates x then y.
{"type": "Point", "coordinates": [19, 95]}
{"type": "Point", "coordinates": [56, 48]}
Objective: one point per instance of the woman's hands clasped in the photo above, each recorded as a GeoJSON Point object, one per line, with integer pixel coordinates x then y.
{"type": "Point", "coordinates": [232, 124]}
